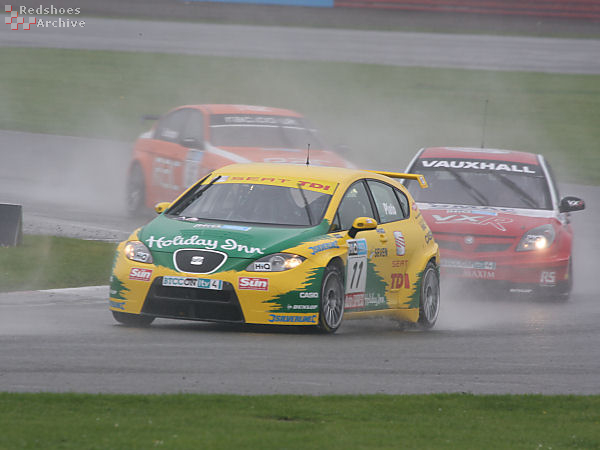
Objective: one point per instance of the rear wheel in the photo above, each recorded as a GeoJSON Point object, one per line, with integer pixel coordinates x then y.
{"type": "Point", "coordinates": [132, 320]}
{"type": "Point", "coordinates": [332, 300]}
{"type": "Point", "coordinates": [135, 200]}
{"type": "Point", "coordinates": [429, 304]}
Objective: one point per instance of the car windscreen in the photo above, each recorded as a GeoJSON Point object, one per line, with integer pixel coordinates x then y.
{"type": "Point", "coordinates": [253, 203]}
{"type": "Point", "coordinates": [483, 183]}
{"type": "Point", "coordinates": [266, 131]}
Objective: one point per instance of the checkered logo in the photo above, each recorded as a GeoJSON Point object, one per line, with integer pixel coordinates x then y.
{"type": "Point", "coordinates": [14, 20]}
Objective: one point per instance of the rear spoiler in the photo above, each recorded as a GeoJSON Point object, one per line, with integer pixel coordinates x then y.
{"type": "Point", "coordinates": [407, 176]}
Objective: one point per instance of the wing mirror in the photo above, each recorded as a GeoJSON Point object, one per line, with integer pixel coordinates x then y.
{"type": "Point", "coordinates": [161, 207]}
{"type": "Point", "coordinates": [362, 224]}
{"type": "Point", "coordinates": [192, 142]}
{"type": "Point", "coordinates": [569, 204]}
{"type": "Point", "coordinates": [149, 117]}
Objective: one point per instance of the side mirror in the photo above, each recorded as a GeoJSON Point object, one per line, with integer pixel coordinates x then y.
{"type": "Point", "coordinates": [161, 207]}
{"type": "Point", "coordinates": [192, 142]}
{"type": "Point", "coordinates": [362, 224]}
{"type": "Point", "coordinates": [149, 117]}
{"type": "Point", "coordinates": [569, 204]}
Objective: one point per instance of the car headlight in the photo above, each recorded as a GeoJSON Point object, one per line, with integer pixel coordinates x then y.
{"type": "Point", "coordinates": [277, 262]}
{"type": "Point", "coordinates": [537, 238]}
{"type": "Point", "coordinates": [137, 251]}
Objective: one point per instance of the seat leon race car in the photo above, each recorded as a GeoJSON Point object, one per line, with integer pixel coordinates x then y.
{"type": "Point", "coordinates": [190, 141]}
{"type": "Point", "coordinates": [497, 216]}
{"type": "Point", "coordinates": [281, 244]}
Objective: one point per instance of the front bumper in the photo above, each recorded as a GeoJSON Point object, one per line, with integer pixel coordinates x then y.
{"type": "Point", "coordinates": [280, 298]}
{"type": "Point", "coordinates": [193, 304]}
{"type": "Point", "coordinates": [526, 271]}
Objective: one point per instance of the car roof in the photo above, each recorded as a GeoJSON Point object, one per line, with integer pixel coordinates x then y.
{"type": "Point", "coordinates": [334, 174]}
{"type": "Point", "coordinates": [242, 109]}
{"type": "Point", "coordinates": [480, 153]}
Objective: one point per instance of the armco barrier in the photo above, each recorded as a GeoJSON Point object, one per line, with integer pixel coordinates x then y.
{"type": "Point", "coordinates": [11, 225]}
{"type": "Point", "coordinates": [567, 9]}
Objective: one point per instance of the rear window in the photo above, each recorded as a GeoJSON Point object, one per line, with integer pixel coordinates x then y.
{"type": "Point", "coordinates": [267, 131]}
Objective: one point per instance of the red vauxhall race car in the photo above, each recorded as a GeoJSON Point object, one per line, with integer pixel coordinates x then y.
{"type": "Point", "coordinates": [497, 216]}
{"type": "Point", "coordinates": [190, 141]}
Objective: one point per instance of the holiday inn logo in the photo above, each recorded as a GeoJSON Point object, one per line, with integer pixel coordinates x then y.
{"type": "Point", "coordinates": [17, 17]}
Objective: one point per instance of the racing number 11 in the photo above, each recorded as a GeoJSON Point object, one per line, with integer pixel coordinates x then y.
{"type": "Point", "coordinates": [357, 266]}
{"type": "Point", "coordinates": [356, 276]}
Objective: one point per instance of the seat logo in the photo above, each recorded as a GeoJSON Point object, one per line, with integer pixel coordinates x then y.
{"type": "Point", "coordinates": [197, 260]}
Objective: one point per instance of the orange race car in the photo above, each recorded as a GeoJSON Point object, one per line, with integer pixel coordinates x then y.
{"type": "Point", "coordinates": [190, 141]}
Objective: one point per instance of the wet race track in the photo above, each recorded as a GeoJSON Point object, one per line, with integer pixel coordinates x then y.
{"type": "Point", "coordinates": [66, 340]}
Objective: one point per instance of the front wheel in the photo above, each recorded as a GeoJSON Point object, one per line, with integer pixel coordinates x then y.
{"type": "Point", "coordinates": [332, 300]}
{"type": "Point", "coordinates": [135, 197]}
{"type": "Point", "coordinates": [132, 320]}
{"type": "Point", "coordinates": [429, 304]}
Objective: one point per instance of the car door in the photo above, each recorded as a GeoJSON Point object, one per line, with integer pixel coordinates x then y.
{"type": "Point", "coordinates": [365, 273]}
{"type": "Point", "coordinates": [403, 239]}
{"type": "Point", "coordinates": [192, 142]}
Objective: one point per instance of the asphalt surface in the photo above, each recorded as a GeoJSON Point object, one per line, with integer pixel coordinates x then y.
{"type": "Point", "coordinates": [507, 53]}
{"type": "Point", "coordinates": [67, 340]}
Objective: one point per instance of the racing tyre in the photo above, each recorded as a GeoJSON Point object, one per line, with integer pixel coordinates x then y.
{"type": "Point", "coordinates": [429, 304]}
{"type": "Point", "coordinates": [135, 201]}
{"type": "Point", "coordinates": [332, 300]}
{"type": "Point", "coordinates": [132, 320]}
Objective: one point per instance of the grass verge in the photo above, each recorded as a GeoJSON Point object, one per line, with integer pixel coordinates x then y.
{"type": "Point", "coordinates": [385, 114]}
{"type": "Point", "coordinates": [47, 262]}
{"type": "Point", "coordinates": [449, 421]}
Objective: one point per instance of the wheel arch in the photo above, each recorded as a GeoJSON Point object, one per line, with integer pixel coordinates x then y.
{"type": "Point", "coordinates": [136, 162]}
{"type": "Point", "coordinates": [435, 260]}
{"type": "Point", "coordinates": [137, 165]}
{"type": "Point", "coordinates": [339, 263]}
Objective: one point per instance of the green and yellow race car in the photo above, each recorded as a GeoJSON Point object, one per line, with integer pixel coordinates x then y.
{"type": "Point", "coordinates": [283, 245]}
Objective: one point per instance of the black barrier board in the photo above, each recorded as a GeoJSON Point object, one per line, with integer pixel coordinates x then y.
{"type": "Point", "coordinates": [11, 225]}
